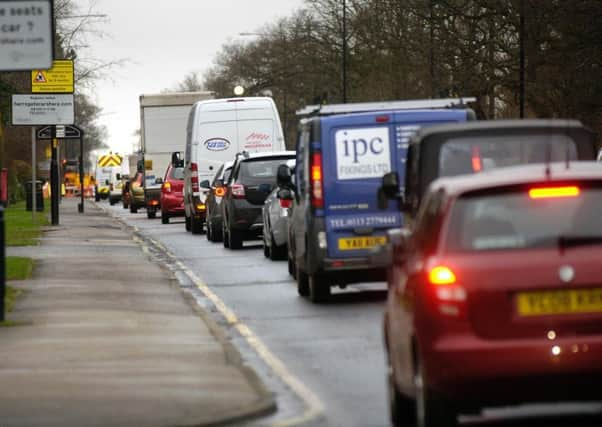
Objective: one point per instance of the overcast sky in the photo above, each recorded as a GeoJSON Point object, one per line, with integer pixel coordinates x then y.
{"type": "Point", "coordinates": [162, 42]}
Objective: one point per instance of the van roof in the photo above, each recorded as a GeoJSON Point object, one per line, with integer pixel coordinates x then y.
{"type": "Point", "coordinates": [173, 99]}
{"type": "Point", "coordinates": [417, 114]}
{"type": "Point", "coordinates": [239, 102]}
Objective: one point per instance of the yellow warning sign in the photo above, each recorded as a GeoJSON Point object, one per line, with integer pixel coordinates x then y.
{"type": "Point", "coordinates": [109, 160]}
{"type": "Point", "coordinates": [58, 79]}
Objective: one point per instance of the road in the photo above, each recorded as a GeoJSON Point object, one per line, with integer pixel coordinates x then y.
{"type": "Point", "coordinates": [335, 350]}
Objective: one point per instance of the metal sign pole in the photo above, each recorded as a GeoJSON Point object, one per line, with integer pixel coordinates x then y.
{"type": "Point", "coordinates": [81, 171]}
{"type": "Point", "coordinates": [54, 179]}
{"type": "Point", "coordinates": [33, 175]}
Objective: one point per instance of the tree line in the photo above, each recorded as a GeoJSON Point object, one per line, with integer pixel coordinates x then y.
{"type": "Point", "coordinates": [409, 49]}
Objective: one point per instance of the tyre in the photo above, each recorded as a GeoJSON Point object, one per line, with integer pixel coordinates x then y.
{"type": "Point", "coordinates": [164, 217]}
{"type": "Point", "coordinates": [235, 239]}
{"type": "Point", "coordinates": [291, 267]}
{"type": "Point", "coordinates": [302, 282]}
{"type": "Point", "coordinates": [266, 248]}
{"type": "Point", "coordinates": [319, 288]}
{"type": "Point", "coordinates": [125, 205]}
{"type": "Point", "coordinates": [151, 213]}
{"type": "Point", "coordinates": [276, 252]}
{"type": "Point", "coordinates": [208, 233]}
{"type": "Point", "coordinates": [402, 408]}
{"type": "Point", "coordinates": [97, 196]}
{"type": "Point", "coordinates": [196, 225]}
{"type": "Point", "coordinates": [112, 201]}
{"type": "Point", "coordinates": [187, 223]}
{"type": "Point", "coordinates": [133, 208]}
{"type": "Point", "coordinates": [226, 237]}
{"type": "Point", "coordinates": [431, 410]}
{"type": "Point", "coordinates": [216, 233]}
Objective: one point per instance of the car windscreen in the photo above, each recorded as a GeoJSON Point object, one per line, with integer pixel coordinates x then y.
{"type": "Point", "coordinates": [227, 174]}
{"type": "Point", "coordinates": [540, 216]}
{"type": "Point", "coordinates": [475, 154]}
{"type": "Point", "coordinates": [177, 173]}
{"type": "Point", "coordinates": [260, 170]}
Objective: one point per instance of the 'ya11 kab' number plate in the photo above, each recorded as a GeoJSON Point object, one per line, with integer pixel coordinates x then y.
{"type": "Point", "coordinates": [357, 243]}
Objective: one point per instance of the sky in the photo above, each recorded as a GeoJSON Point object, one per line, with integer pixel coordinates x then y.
{"type": "Point", "coordinates": [161, 42]}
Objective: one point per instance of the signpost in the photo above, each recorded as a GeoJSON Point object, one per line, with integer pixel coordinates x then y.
{"type": "Point", "coordinates": [37, 110]}
{"type": "Point", "coordinates": [58, 79]}
{"type": "Point", "coordinates": [26, 34]}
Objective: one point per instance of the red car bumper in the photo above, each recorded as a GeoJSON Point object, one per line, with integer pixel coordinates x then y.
{"type": "Point", "coordinates": [515, 371]}
{"type": "Point", "coordinates": [172, 204]}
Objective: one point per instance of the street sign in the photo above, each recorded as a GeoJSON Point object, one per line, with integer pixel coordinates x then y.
{"type": "Point", "coordinates": [69, 132]}
{"type": "Point", "coordinates": [58, 79]}
{"type": "Point", "coordinates": [37, 110]}
{"type": "Point", "coordinates": [26, 34]}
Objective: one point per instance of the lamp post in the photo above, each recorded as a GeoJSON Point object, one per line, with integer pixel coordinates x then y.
{"type": "Point", "coordinates": [344, 64]}
{"type": "Point", "coordinates": [521, 48]}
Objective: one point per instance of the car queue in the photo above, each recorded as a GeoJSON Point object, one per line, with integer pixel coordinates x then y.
{"type": "Point", "coordinates": [451, 212]}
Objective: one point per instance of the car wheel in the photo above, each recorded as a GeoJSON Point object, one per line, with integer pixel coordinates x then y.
{"type": "Point", "coordinates": [302, 282]}
{"type": "Point", "coordinates": [187, 223]}
{"type": "Point", "coordinates": [402, 408]}
{"type": "Point", "coordinates": [319, 288]}
{"type": "Point", "coordinates": [431, 410]}
{"type": "Point", "coordinates": [164, 217]}
{"type": "Point", "coordinates": [291, 268]}
{"type": "Point", "coordinates": [276, 252]}
{"type": "Point", "coordinates": [125, 205]}
{"type": "Point", "coordinates": [208, 233]}
{"type": "Point", "coordinates": [225, 237]}
{"type": "Point", "coordinates": [112, 201]}
{"type": "Point", "coordinates": [235, 238]}
{"type": "Point", "coordinates": [133, 209]}
{"type": "Point", "coordinates": [196, 225]}
{"type": "Point", "coordinates": [266, 248]}
{"type": "Point", "coordinates": [216, 233]}
{"type": "Point", "coordinates": [151, 213]}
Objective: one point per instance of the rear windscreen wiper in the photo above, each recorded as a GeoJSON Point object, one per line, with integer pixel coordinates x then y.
{"type": "Point", "coordinates": [572, 241]}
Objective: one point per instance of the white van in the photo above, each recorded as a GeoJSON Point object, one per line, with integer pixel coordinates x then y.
{"type": "Point", "coordinates": [217, 130]}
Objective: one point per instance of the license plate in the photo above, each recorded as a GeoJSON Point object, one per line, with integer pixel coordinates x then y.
{"type": "Point", "coordinates": [356, 243]}
{"type": "Point", "coordinates": [559, 302]}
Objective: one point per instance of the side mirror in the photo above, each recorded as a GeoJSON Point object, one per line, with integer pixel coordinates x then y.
{"type": "Point", "coordinates": [285, 194]}
{"type": "Point", "coordinates": [118, 177]}
{"type": "Point", "coordinates": [284, 176]}
{"type": "Point", "coordinates": [107, 182]}
{"type": "Point", "coordinates": [219, 183]}
{"type": "Point", "coordinates": [176, 159]}
{"type": "Point", "coordinates": [159, 181]}
{"type": "Point", "coordinates": [205, 184]}
{"type": "Point", "coordinates": [399, 238]}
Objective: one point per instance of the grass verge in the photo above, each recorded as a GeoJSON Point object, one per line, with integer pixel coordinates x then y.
{"type": "Point", "coordinates": [20, 229]}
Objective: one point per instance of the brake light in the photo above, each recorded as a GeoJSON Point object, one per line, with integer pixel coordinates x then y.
{"type": "Point", "coordinates": [477, 165]}
{"type": "Point", "coordinates": [167, 187]}
{"type": "Point", "coordinates": [317, 194]}
{"type": "Point", "coordinates": [554, 192]}
{"type": "Point", "coordinates": [382, 119]}
{"type": "Point", "coordinates": [442, 275]}
{"type": "Point", "coordinates": [154, 202]}
{"type": "Point", "coordinates": [194, 177]}
{"type": "Point", "coordinates": [285, 204]}
{"type": "Point", "coordinates": [219, 191]}
{"type": "Point", "coordinates": [450, 297]}
{"type": "Point", "coordinates": [237, 191]}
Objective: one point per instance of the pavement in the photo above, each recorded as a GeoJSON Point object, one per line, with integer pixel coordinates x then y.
{"type": "Point", "coordinates": [105, 336]}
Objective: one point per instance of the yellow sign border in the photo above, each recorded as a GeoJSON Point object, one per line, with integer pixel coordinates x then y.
{"type": "Point", "coordinates": [58, 79]}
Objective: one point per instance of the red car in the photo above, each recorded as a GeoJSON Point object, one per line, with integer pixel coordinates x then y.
{"type": "Point", "coordinates": [495, 297]}
{"type": "Point", "coordinates": [172, 195]}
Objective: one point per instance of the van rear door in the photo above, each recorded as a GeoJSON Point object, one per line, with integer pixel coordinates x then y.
{"type": "Point", "coordinates": [216, 138]}
{"type": "Point", "coordinates": [357, 150]}
{"type": "Point", "coordinates": [258, 126]}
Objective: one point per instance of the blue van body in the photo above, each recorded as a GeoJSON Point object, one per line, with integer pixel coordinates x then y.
{"type": "Point", "coordinates": [330, 243]}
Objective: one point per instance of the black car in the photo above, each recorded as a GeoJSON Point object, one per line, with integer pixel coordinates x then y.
{"type": "Point", "coordinates": [214, 202]}
{"type": "Point", "coordinates": [253, 178]}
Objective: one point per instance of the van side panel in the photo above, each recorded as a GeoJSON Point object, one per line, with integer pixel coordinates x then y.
{"type": "Point", "coordinates": [215, 141]}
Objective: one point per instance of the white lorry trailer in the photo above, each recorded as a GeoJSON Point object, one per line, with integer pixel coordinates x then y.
{"type": "Point", "coordinates": [163, 119]}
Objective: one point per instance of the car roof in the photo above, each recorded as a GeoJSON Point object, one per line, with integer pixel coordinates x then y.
{"type": "Point", "coordinates": [504, 127]}
{"type": "Point", "coordinates": [517, 175]}
{"type": "Point", "coordinates": [267, 155]}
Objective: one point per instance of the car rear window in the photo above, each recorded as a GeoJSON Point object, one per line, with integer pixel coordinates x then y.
{"type": "Point", "coordinates": [260, 170]}
{"type": "Point", "coordinates": [519, 219]}
{"type": "Point", "coordinates": [177, 173]}
{"type": "Point", "coordinates": [470, 155]}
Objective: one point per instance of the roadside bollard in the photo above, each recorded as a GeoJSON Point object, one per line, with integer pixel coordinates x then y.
{"type": "Point", "coordinates": [2, 265]}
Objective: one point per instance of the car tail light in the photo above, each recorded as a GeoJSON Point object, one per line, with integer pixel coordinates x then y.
{"type": "Point", "coordinates": [284, 203]}
{"type": "Point", "coordinates": [477, 164]}
{"type": "Point", "coordinates": [554, 192]}
{"type": "Point", "coordinates": [317, 193]}
{"type": "Point", "coordinates": [219, 191]}
{"type": "Point", "coordinates": [200, 207]}
{"type": "Point", "coordinates": [194, 177]}
{"type": "Point", "coordinates": [450, 297]}
{"type": "Point", "coordinates": [154, 202]}
{"type": "Point", "coordinates": [166, 187]}
{"type": "Point", "coordinates": [238, 191]}
{"type": "Point", "coordinates": [382, 119]}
